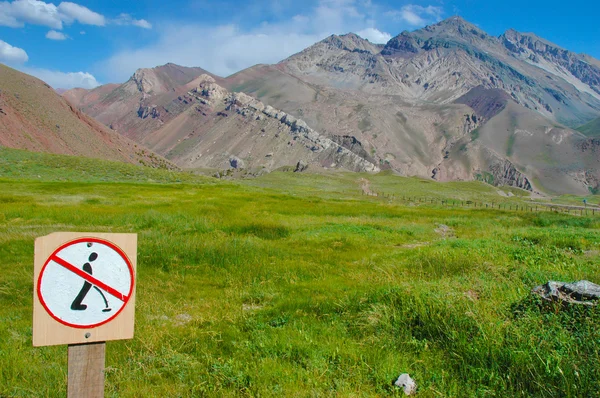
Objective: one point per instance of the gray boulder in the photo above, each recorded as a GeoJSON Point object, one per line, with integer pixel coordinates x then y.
{"type": "Point", "coordinates": [581, 292]}
{"type": "Point", "coordinates": [301, 166]}
{"type": "Point", "coordinates": [236, 162]}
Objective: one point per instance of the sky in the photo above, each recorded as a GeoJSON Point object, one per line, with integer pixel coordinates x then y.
{"type": "Point", "coordinates": [91, 42]}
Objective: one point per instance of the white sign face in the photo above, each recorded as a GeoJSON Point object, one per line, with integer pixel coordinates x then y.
{"type": "Point", "coordinates": [85, 283]}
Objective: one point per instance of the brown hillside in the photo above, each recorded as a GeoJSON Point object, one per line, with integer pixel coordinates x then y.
{"type": "Point", "coordinates": [34, 117]}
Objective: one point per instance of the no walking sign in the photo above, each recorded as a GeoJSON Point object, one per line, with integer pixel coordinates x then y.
{"type": "Point", "coordinates": [84, 288]}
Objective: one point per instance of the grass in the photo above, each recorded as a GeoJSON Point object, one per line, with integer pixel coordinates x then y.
{"type": "Point", "coordinates": [296, 285]}
{"type": "Point", "coordinates": [591, 129]}
{"type": "Point", "coordinates": [510, 144]}
{"type": "Point", "coordinates": [24, 165]}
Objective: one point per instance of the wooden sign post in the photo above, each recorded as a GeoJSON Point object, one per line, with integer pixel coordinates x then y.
{"type": "Point", "coordinates": [83, 296]}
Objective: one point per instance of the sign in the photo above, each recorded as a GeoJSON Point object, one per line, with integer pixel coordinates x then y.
{"type": "Point", "coordinates": [84, 288]}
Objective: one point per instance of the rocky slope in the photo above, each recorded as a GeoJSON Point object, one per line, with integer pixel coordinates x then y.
{"type": "Point", "coordinates": [150, 98]}
{"type": "Point", "coordinates": [442, 62]}
{"type": "Point", "coordinates": [574, 68]}
{"type": "Point", "coordinates": [224, 130]}
{"type": "Point", "coordinates": [423, 76]}
{"type": "Point", "coordinates": [34, 117]}
{"type": "Point", "coordinates": [447, 101]}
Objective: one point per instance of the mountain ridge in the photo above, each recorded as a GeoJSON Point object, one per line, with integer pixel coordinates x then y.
{"type": "Point", "coordinates": [418, 104]}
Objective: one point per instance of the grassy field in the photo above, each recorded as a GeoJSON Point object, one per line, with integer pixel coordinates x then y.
{"type": "Point", "coordinates": [297, 285]}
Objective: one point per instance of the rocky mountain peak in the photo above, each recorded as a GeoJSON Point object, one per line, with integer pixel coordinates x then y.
{"type": "Point", "coordinates": [164, 78]}
{"type": "Point", "coordinates": [145, 80]}
{"type": "Point", "coordinates": [347, 53]}
{"type": "Point", "coordinates": [446, 33]}
{"type": "Point", "coordinates": [456, 29]}
{"type": "Point", "coordinates": [350, 42]}
{"type": "Point", "coordinates": [455, 25]}
{"type": "Point", "coordinates": [403, 44]}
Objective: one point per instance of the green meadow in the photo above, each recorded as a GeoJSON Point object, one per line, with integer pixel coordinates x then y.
{"type": "Point", "coordinates": [298, 285]}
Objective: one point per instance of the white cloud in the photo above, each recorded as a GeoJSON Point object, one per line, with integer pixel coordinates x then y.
{"type": "Point", "coordinates": [12, 55]}
{"type": "Point", "coordinates": [31, 11]}
{"type": "Point", "coordinates": [416, 15]}
{"type": "Point", "coordinates": [74, 12]}
{"type": "Point", "coordinates": [374, 35]}
{"type": "Point", "coordinates": [126, 19]}
{"type": "Point", "coordinates": [54, 35]}
{"type": "Point", "coordinates": [226, 49]}
{"type": "Point", "coordinates": [65, 80]}
{"type": "Point", "coordinates": [142, 23]}
{"type": "Point", "coordinates": [82, 32]}
{"type": "Point", "coordinates": [6, 17]}
{"type": "Point", "coordinates": [15, 14]}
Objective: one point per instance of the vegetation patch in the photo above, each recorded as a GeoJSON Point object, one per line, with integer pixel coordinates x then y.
{"type": "Point", "coordinates": [510, 144]}
{"type": "Point", "coordinates": [298, 284]}
{"type": "Point", "coordinates": [364, 124]}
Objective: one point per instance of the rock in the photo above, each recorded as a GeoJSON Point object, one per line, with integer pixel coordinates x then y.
{"type": "Point", "coordinates": [270, 111]}
{"type": "Point", "coordinates": [269, 155]}
{"type": "Point", "coordinates": [208, 88]}
{"type": "Point", "coordinates": [505, 173]}
{"type": "Point", "coordinates": [148, 111]}
{"type": "Point", "coordinates": [580, 292]}
{"type": "Point", "coordinates": [204, 78]}
{"type": "Point", "coordinates": [289, 120]}
{"type": "Point", "coordinates": [445, 231]}
{"type": "Point", "coordinates": [236, 162]}
{"type": "Point", "coordinates": [353, 145]}
{"type": "Point", "coordinates": [300, 125]}
{"type": "Point", "coordinates": [301, 166]}
{"type": "Point", "coordinates": [355, 159]}
{"type": "Point", "coordinates": [406, 383]}
{"type": "Point", "coordinates": [143, 80]}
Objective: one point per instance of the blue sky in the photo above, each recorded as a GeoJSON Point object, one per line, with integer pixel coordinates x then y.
{"type": "Point", "coordinates": [91, 42]}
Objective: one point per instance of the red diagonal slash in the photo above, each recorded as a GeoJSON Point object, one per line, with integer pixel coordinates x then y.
{"type": "Point", "coordinates": [90, 278]}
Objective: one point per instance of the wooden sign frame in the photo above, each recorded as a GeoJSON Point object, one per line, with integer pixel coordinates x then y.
{"type": "Point", "coordinates": [47, 330]}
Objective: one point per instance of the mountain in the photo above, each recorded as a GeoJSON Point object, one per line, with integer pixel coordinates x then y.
{"type": "Point", "coordinates": [34, 117]}
{"type": "Point", "coordinates": [150, 98]}
{"type": "Point", "coordinates": [442, 62]}
{"type": "Point", "coordinates": [233, 130]}
{"type": "Point", "coordinates": [448, 102]}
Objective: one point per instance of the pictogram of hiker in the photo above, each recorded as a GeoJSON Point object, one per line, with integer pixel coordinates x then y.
{"type": "Point", "coordinates": [77, 304]}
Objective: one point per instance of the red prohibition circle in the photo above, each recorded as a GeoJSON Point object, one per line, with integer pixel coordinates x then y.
{"type": "Point", "coordinates": [87, 240]}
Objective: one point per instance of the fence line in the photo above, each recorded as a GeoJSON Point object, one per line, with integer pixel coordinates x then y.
{"type": "Point", "coordinates": [507, 206]}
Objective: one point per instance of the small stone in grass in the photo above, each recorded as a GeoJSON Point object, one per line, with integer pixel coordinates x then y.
{"type": "Point", "coordinates": [406, 383]}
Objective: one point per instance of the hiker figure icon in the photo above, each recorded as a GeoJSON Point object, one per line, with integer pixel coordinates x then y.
{"type": "Point", "coordinates": [77, 304]}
